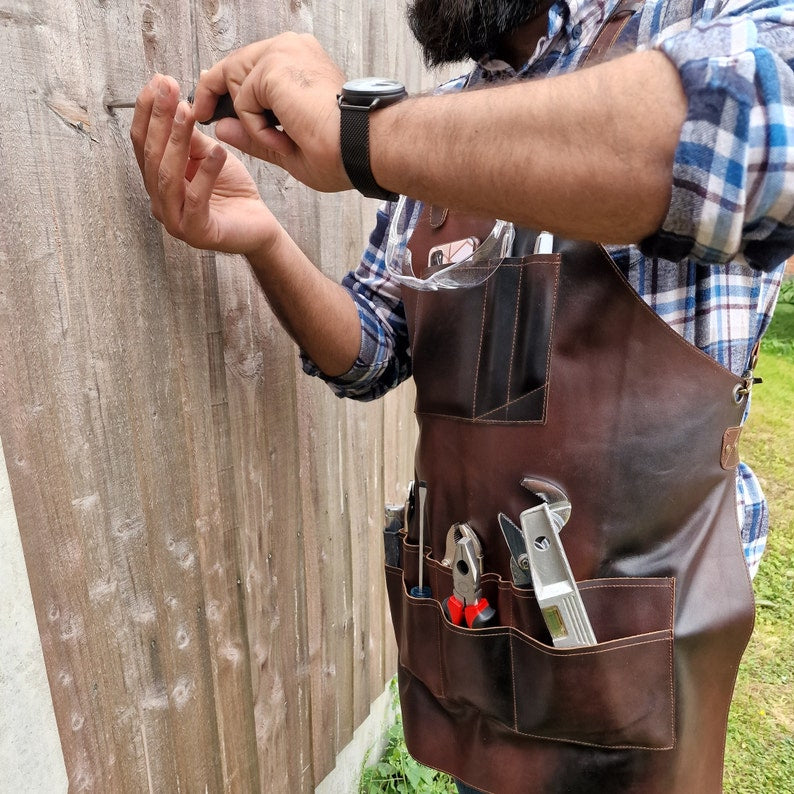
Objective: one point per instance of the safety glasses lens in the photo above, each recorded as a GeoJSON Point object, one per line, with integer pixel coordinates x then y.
{"type": "Point", "coordinates": [465, 263]}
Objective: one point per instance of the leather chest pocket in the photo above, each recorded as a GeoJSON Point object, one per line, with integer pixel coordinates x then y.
{"type": "Point", "coordinates": [616, 694]}
{"type": "Point", "coordinates": [482, 353]}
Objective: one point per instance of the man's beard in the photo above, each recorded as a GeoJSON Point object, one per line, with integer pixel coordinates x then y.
{"type": "Point", "coordinates": [452, 30]}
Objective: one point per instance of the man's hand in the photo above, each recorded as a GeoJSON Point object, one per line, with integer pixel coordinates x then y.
{"type": "Point", "coordinates": [204, 196]}
{"type": "Point", "coordinates": [293, 76]}
{"type": "Point", "coordinates": [199, 192]}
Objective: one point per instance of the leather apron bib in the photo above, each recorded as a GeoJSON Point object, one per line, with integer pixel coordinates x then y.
{"type": "Point", "coordinates": [554, 368]}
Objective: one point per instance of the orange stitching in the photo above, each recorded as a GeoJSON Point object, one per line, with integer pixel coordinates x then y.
{"type": "Point", "coordinates": [418, 320]}
{"type": "Point", "coordinates": [479, 353]}
{"type": "Point", "coordinates": [671, 668]}
{"type": "Point", "coordinates": [672, 606]}
{"type": "Point", "coordinates": [562, 653]}
{"type": "Point", "coordinates": [517, 400]}
{"type": "Point", "coordinates": [618, 32]}
{"type": "Point", "coordinates": [529, 596]}
{"type": "Point", "coordinates": [671, 678]}
{"type": "Point", "coordinates": [441, 677]}
{"type": "Point", "coordinates": [513, 678]}
{"type": "Point", "coordinates": [594, 744]}
{"type": "Point", "coordinates": [477, 420]}
{"type": "Point", "coordinates": [515, 333]}
{"type": "Point", "coordinates": [552, 324]}
{"type": "Point", "coordinates": [618, 21]}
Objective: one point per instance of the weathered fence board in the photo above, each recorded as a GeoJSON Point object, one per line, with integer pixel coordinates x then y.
{"type": "Point", "coordinates": [201, 523]}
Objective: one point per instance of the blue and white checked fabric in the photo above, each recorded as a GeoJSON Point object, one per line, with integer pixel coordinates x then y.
{"type": "Point", "coordinates": [713, 270]}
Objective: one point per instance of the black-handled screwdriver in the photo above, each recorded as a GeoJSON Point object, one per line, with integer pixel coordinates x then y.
{"type": "Point", "coordinates": [223, 110]}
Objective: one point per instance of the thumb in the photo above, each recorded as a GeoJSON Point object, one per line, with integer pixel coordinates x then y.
{"type": "Point", "coordinates": [268, 143]}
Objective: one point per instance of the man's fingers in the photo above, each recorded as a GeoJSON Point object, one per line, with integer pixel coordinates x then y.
{"type": "Point", "coordinates": [225, 77]}
{"type": "Point", "coordinates": [248, 105]}
{"type": "Point", "coordinates": [231, 131]}
{"type": "Point", "coordinates": [159, 131]}
{"type": "Point", "coordinates": [173, 167]}
{"type": "Point", "coordinates": [200, 146]}
{"type": "Point", "coordinates": [211, 85]}
{"type": "Point", "coordinates": [140, 118]}
{"type": "Point", "coordinates": [199, 191]}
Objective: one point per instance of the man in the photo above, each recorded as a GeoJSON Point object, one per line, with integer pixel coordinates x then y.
{"type": "Point", "coordinates": [545, 376]}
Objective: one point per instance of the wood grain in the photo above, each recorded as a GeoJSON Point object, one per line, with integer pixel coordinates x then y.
{"type": "Point", "coordinates": [200, 522]}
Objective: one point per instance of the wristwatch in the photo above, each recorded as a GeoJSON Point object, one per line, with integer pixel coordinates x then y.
{"type": "Point", "coordinates": [357, 100]}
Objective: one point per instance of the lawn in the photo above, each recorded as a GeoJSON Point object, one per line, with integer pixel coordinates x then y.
{"type": "Point", "coordinates": [760, 749]}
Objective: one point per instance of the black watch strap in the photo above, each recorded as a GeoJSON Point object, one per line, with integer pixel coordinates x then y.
{"type": "Point", "coordinates": [355, 151]}
{"type": "Point", "coordinates": [357, 100]}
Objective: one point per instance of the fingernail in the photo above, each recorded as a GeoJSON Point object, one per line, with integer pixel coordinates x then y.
{"type": "Point", "coordinates": [179, 116]}
{"type": "Point", "coordinates": [164, 88]}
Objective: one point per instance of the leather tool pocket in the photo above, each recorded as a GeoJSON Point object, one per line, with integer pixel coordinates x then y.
{"type": "Point", "coordinates": [616, 694]}
{"type": "Point", "coordinates": [494, 366]}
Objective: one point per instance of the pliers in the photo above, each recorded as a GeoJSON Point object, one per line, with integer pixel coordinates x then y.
{"type": "Point", "coordinates": [466, 605]}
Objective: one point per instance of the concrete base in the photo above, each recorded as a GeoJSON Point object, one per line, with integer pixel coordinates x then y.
{"type": "Point", "coordinates": [369, 742]}
{"type": "Point", "coordinates": [31, 760]}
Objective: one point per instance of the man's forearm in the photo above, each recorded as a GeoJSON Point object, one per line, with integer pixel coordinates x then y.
{"type": "Point", "coordinates": [587, 155]}
{"type": "Point", "coordinates": [317, 313]}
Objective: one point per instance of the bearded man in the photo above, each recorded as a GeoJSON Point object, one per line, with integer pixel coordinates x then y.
{"type": "Point", "coordinates": [598, 382]}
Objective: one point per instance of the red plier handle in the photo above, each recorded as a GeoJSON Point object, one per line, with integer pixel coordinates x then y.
{"type": "Point", "coordinates": [476, 615]}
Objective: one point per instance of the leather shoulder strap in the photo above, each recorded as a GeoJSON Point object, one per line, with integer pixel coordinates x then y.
{"type": "Point", "coordinates": [610, 31]}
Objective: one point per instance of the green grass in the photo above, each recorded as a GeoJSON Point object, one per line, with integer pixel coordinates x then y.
{"type": "Point", "coordinates": [759, 756]}
{"type": "Point", "coordinates": [397, 773]}
{"type": "Point", "coordinates": [760, 750]}
{"type": "Point", "coordinates": [780, 337]}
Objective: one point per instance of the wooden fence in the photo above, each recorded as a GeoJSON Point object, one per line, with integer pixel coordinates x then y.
{"type": "Point", "coordinates": [200, 522]}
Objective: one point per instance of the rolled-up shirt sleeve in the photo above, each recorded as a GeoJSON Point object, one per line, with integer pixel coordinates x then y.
{"type": "Point", "coordinates": [384, 359]}
{"type": "Point", "coordinates": [733, 175]}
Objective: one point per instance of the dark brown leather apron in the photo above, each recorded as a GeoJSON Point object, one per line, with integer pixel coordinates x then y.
{"type": "Point", "coordinates": [555, 368]}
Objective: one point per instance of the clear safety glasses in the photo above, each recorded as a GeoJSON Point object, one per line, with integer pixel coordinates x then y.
{"type": "Point", "coordinates": [463, 263]}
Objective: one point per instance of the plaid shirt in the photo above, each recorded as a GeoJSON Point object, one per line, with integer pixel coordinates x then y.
{"type": "Point", "coordinates": [713, 270]}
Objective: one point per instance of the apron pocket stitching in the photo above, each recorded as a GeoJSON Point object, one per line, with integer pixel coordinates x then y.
{"type": "Point", "coordinates": [514, 402]}
{"type": "Point", "coordinates": [479, 352]}
{"type": "Point", "coordinates": [515, 688]}
{"type": "Point", "coordinates": [515, 335]}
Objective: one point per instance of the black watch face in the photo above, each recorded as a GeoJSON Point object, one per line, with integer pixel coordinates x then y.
{"type": "Point", "coordinates": [366, 89]}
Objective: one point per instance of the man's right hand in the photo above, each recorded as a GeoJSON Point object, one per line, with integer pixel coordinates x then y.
{"type": "Point", "coordinates": [199, 192]}
{"type": "Point", "coordinates": [294, 77]}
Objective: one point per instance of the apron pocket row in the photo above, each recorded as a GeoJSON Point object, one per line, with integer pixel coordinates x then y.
{"type": "Point", "coordinates": [616, 694]}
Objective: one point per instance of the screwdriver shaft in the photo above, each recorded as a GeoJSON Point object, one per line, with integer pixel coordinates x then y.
{"type": "Point", "coordinates": [223, 110]}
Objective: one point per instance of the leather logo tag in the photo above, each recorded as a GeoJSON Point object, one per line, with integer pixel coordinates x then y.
{"type": "Point", "coordinates": [438, 216]}
{"type": "Point", "coordinates": [730, 448]}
